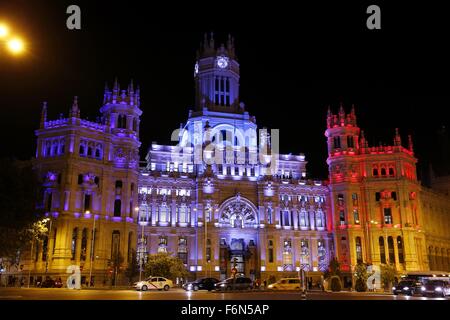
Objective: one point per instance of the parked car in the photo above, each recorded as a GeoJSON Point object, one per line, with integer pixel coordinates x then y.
{"type": "Point", "coordinates": [154, 283]}
{"type": "Point", "coordinates": [50, 283]}
{"type": "Point", "coordinates": [438, 288]}
{"type": "Point", "coordinates": [201, 284]}
{"type": "Point", "coordinates": [408, 287]}
{"type": "Point", "coordinates": [240, 283]}
{"type": "Point", "coordinates": [286, 284]}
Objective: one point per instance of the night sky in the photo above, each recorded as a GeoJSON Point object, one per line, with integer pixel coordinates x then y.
{"type": "Point", "coordinates": [294, 63]}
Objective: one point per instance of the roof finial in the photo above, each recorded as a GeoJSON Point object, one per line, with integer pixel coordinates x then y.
{"type": "Point", "coordinates": [116, 87]}
{"type": "Point", "coordinates": [397, 138]}
{"type": "Point", "coordinates": [43, 114]}
{"type": "Point", "coordinates": [75, 111]}
{"type": "Point", "coordinates": [410, 143]}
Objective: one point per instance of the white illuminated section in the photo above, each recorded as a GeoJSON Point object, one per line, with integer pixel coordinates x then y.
{"type": "Point", "coordinates": [263, 268]}
{"type": "Point", "coordinates": [216, 268]}
{"type": "Point", "coordinates": [199, 268]}
{"type": "Point", "coordinates": [315, 269]}
{"type": "Point", "coordinates": [297, 269]}
{"type": "Point", "coordinates": [192, 268]}
{"type": "Point", "coordinates": [279, 268]}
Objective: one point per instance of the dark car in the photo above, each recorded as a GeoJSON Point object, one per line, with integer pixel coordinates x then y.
{"type": "Point", "coordinates": [438, 288]}
{"type": "Point", "coordinates": [201, 284]}
{"type": "Point", "coordinates": [408, 287]}
{"type": "Point", "coordinates": [50, 283]}
{"type": "Point", "coordinates": [240, 283]}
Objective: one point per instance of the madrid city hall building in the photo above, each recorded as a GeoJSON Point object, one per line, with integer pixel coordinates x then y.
{"type": "Point", "coordinates": [222, 197]}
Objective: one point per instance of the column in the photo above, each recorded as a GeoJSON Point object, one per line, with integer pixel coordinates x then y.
{"type": "Point", "coordinates": [311, 219]}
{"type": "Point", "coordinates": [173, 213]}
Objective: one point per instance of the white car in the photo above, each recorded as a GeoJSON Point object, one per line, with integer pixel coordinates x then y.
{"type": "Point", "coordinates": [286, 284]}
{"type": "Point", "coordinates": [154, 283]}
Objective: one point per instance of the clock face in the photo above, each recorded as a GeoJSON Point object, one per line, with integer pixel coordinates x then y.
{"type": "Point", "coordinates": [222, 62]}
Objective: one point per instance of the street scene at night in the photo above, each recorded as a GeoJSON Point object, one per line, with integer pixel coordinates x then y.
{"type": "Point", "coordinates": [221, 158]}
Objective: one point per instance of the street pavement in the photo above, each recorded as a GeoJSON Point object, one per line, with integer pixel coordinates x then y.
{"type": "Point", "coordinates": [180, 294]}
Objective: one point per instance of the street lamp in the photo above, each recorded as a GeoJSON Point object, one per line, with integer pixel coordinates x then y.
{"type": "Point", "coordinates": [141, 255]}
{"type": "Point", "coordinates": [14, 44]}
{"type": "Point", "coordinates": [92, 249]}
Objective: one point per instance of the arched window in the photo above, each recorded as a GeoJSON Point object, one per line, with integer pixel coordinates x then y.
{"type": "Point", "coordinates": [383, 171]}
{"type": "Point", "coordinates": [98, 151]}
{"type": "Point", "coordinates": [118, 184]}
{"type": "Point", "coordinates": [117, 208]}
{"type": "Point", "coordinates": [401, 257]}
{"type": "Point", "coordinates": [80, 178]}
{"type": "Point", "coordinates": [337, 142]}
{"type": "Point", "coordinates": [350, 141]}
{"type": "Point", "coordinates": [82, 149]}
{"type": "Point", "coordinates": [375, 172]}
{"type": "Point", "coordinates": [84, 235]}
{"type": "Point", "coordinates": [73, 246]}
{"type": "Point", "coordinates": [342, 217]}
{"type": "Point", "coordinates": [358, 245]}
{"type": "Point", "coordinates": [391, 171]}
{"type": "Point", "coordinates": [391, 250]}
{"type": "Point", "coordinates": [89, 151]}
{"type": "Point", "coordinates": [382, 250]}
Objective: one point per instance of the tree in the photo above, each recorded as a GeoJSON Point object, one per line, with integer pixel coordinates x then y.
{"type": "Point", "coordinates": [334, 269]}
{"type": "Point", "coordinates": [361, 276]}
{"type": "Point", "coordinates": [335, 284]}
{"type": "Point", "coordinates": [133, 267]}
{"type": "Point", "coordinates": [388, 274]}
{"type": "Point", "coordinates": [21, 206]}
{"type": "Point", "coordinates": [165, 265]}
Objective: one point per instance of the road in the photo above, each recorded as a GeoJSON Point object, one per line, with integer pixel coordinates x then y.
{"type": "Point", "coordinates": [179, 294]}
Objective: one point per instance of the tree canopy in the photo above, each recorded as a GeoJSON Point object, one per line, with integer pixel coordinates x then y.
{"type": "Point", "coordinates": [165, 265]}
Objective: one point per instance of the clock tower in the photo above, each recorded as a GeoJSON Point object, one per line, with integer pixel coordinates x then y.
{"type": "Point", "coordinates": [216, 75]}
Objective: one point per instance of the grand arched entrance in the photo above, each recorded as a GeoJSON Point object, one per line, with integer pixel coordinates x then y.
{"type": "Point", "coordinates": [238, 219]}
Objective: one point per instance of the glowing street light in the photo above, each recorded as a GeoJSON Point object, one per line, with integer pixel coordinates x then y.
{"type": "Point", "coordinates": [4, 30]}
{"type": "Point", "coordinates": [15, 46]}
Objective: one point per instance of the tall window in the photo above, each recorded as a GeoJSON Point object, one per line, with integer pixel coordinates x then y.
{"type": "Point", "coordinates": [358, 245]}
{"type": "Point", "coordinates": [208, 250]}
{"type": "Point", "coordinates": [87, 202]}
{"type": "Point", "coordinates": [337, 142]}
{"type": "Point", "coordinates": [356, 216]}
{"type": "Point", "coordinates": [182, 250]}
{"type": "Point", "coordinates": [73, 246]}
{"type": "Point", "coordinates": [382, 250]}
{"type": "Point", "coordinates": [183, 214]}
{"type": "Point", "coordinates": [342, 217]}
{"type": "Point", "coordinates": [401, 256]}
{"type": "Point", "coordinates": [303, 218]}
{"type": "Point", "coordinates": [391, 250]}
{"type": "Point", "coordinates": [269, 215]}
{"type": "Point", "coordinates": [287, 255]}
{"type": "Point", "coordinates": [383, 171]}
{"type": "Point", "coordinates": [83, 244]}
{"type": "Point", "coordinates": [387, 216]}
{"type": "Point", "coordinates": [350, 143]}
{"type": "Point", "coordinates": [340, 198]}
{"type": "Point", "coordinates": [286, 217]}
{"type": "Point", "coordinates": [304, 255]}
{"type": "Point", "coordinates": [117, 207]}
{"type": "Point", "coordinates": [164, 213]}
{"type": "Point", "coordinates": [270, 245]}
{"type": "Point", "coordinates": [115, 246]}
{"type": "Point", "coordinates": [44, 248]}
{"type": "Point", "coordinates": [375, 172]}
{"type": "Point", "coordinates": [130, 241]}
{"type": "Point", "coordinates": [49, 201]}
{"type": "Point", "coordinates": [355, 199]}
{"type": "Point", "coordinates": [322, 255]}
{"type": "Point", "coordinates": [320, 219]}
{"type": "Point", "coordinates": [162, 247]}
{"type": "Point", "coordinates": [377, 196]}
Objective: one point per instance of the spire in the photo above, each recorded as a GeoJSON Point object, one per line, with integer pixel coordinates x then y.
{"type": "Point", "coordinates": [410, 144]}
{"type": "Point", "coordinates": [75, 111]}
{"type": "Point", "coordinates": [329, 117]}
{"type": "Point", "coordinates": [43, 114]}
{"type": "Point", "coordinates": [353, 115]}
{"type": "Point", "coordinates": [341, 114]}
{"type": "Point", "coordinates": [131, 88]}
{"type": "Point", "coordinates": [211, 41]}
{"type": "Point", "coordinates": [205, 41]}
{"type": "Point", "coordinates": [116, 87]}
{"type": "Point", "coordinates": [362, 140]}
{"type": "Point", "coordinates": [106, 93]}
{"type": "Point", "coordinates": [397, 138]}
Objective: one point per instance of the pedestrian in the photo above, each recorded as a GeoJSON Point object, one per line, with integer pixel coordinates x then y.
{"type": "Point", "coordinates": [265, 283]}
{"type": "Point", "coordinates": [373, 284]}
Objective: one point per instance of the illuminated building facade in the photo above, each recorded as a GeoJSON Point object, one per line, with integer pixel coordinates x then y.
{"type": "Point", "coordinates": [223, 197]}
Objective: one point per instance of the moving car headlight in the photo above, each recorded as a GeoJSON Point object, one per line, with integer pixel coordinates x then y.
{"type": "Point", "coordinates": [406, 288]}
{"type": "Point", "coordinates": [438, 289]}
{"type": "Point", "coordinates": [270, 286]}
{"type": "Point", "coordinates": [222, 285]}
{"type": "Point", "coordinates": [422, 288]}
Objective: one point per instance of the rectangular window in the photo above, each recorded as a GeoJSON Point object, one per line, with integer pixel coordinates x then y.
{"type": "Point", "coordinates": [87, 202]}
{"type": "Point", "coordinates": [337, 142]}
{"type": "Point", "coordinates": [342, 217]}
{"type": "Point", "coordinates": [377, 196]}
{"type": "Point", "coordinates": [350, 142]}
{"type": "Point", "coordinates": [387, 216]}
